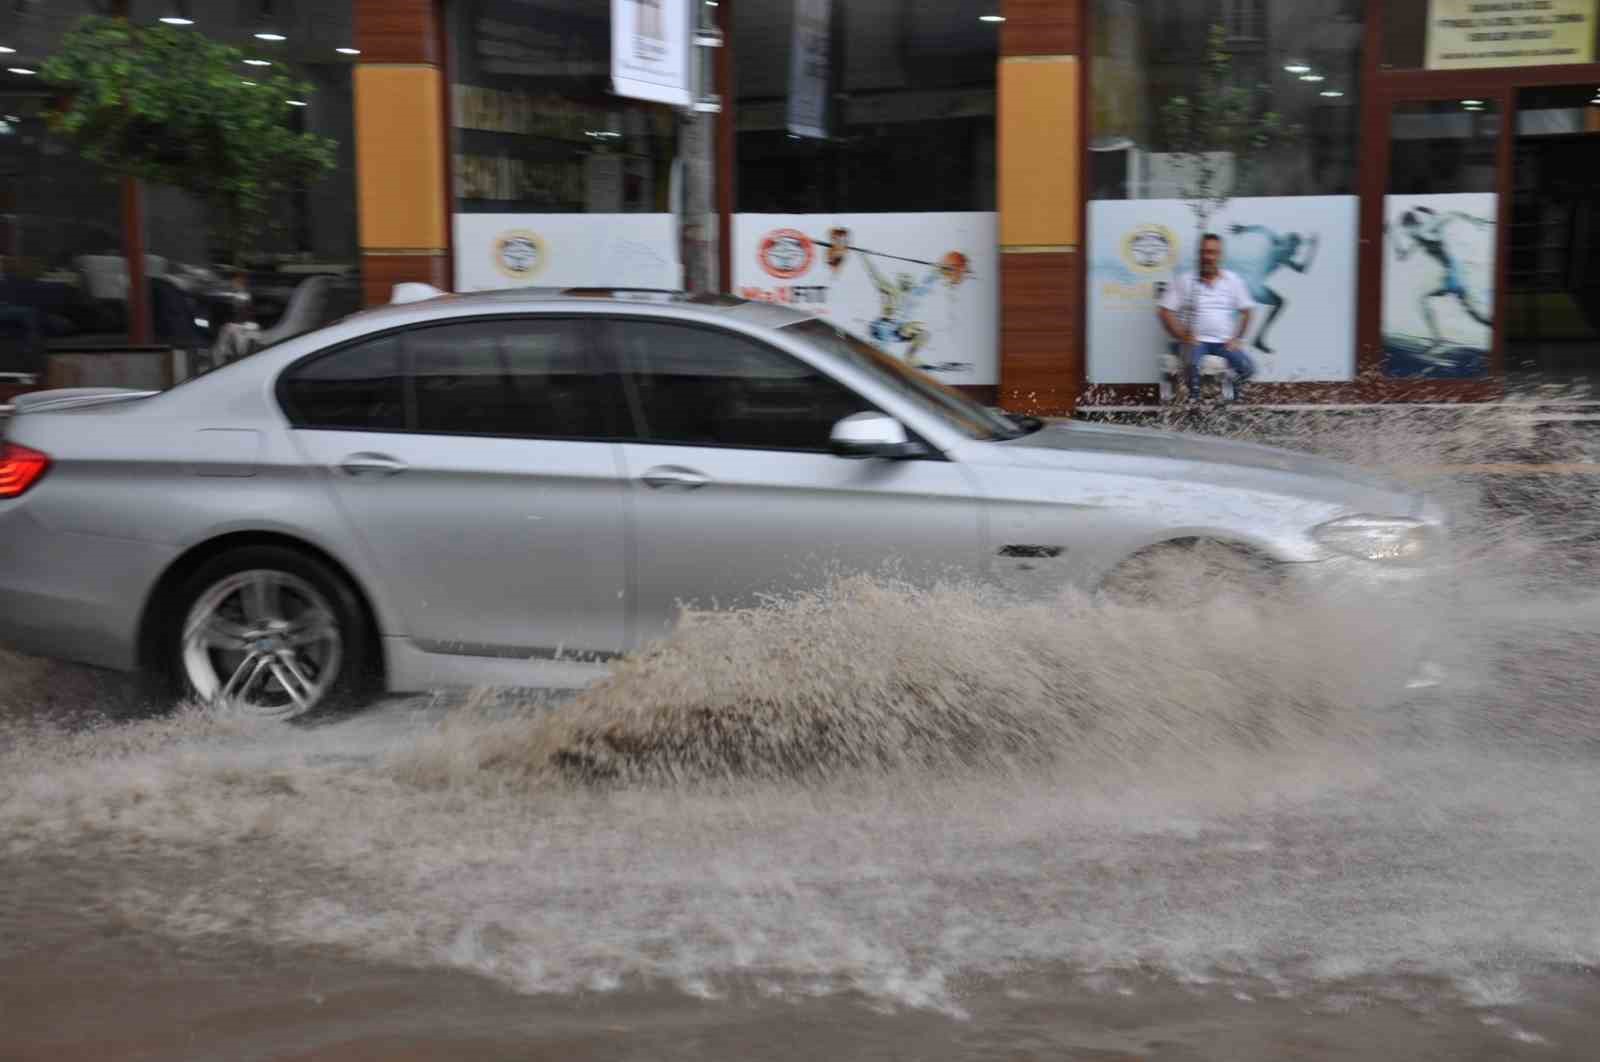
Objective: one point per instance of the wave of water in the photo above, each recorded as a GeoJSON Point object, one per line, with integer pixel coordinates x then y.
{"type": "Point", "coordinates": [887, 790]}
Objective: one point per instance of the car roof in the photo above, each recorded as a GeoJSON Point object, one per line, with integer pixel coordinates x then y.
{"type": "Point", "coordinates": [548, 299]}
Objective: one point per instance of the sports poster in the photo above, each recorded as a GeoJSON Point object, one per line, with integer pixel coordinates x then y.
{"type": "Point", "coordinates": [1296, 254]}
{"type": "Point", "coordinates": [1438, 284]}
{"type": "Point", "coordinates": [924, 288]}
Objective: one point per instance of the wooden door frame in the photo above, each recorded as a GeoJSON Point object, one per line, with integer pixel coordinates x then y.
{"type": "Point", "coordinates": [1382, 89]}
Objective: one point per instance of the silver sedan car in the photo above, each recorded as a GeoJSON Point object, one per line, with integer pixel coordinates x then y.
{"type": "Point", "coordinates": [515, 488]}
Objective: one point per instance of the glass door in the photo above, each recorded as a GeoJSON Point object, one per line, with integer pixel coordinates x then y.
{"type": "Point", "coordinates": [1552, 275]}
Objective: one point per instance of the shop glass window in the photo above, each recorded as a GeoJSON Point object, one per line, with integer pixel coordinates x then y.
{"type": "Point", "coordinates": [1239, 118]}
{"type": "Point", "coordinates": [864, 107]}
{"type": "Point", "coordinates": [66, 276]}
{"type": "Point", "coordinates": [536, 127]}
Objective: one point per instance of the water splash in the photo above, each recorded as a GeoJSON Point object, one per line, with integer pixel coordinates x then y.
{"type": "Point", "coordinates": [886, 790]}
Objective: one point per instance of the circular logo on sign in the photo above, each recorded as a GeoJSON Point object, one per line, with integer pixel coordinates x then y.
{"type": "Point", "coordinates": [519, 254]}
{"type": "Point", "coordinates": [1150, 248]}
{"type": "Point", "coordinates": [786, 253]}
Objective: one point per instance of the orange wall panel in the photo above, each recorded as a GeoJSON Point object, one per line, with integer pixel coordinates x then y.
{"type": "Point", "coordinates": [1039, 146]}
{"type": "Point", "coordinates": [400, 158]}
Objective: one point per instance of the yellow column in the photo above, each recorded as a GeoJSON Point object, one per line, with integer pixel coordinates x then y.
{"type": "Point", "coordinates": [402, 138]}
{"type": "Point", "coordinates": [1040, 152]}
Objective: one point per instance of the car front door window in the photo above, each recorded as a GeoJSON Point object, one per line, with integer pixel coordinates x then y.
{"type": "Point", "coordinates": [703, 387]}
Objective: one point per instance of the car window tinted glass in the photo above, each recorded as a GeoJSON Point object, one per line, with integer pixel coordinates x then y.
{"type": "Point", "coordinates": [699, 386]}
{"type": "Point", "coordinates": [356, 388]}
{"type": "Point", "coordinates": [949, 405]}
{"type": "Point", "coordinates": [509, 378]}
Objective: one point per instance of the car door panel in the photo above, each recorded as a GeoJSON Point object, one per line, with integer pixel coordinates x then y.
{"type": "Point", "coordinates": [498, 532]}
{"type": "Point", "coordinates": [735, 494]}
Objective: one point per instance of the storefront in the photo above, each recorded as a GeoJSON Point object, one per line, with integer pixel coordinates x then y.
{"type": "Point", "coordinates": [1406, 187]}
{"type": "Point", "coordinates": [996, 190]}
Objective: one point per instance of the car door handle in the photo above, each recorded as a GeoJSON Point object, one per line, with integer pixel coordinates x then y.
{"type": "Point", "coordinates": [371, 465]}
{"type": "Point", "coordinates": [675, 477]}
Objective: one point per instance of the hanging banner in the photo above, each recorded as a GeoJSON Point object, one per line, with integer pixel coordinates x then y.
{"type": "Point", "coordinates": [1438, 283]}
{"type": "Point", "coordinates": [1466, 34]}
{"type": "Point", "coordinates": [810, 68]}
{"type": "Point", "coordinates": [921, 287]}
{"type": "Point", "coordinates": [650, 46]}
{"type": "Point", "coordinates": [566, 251]}
{"type": "Point", "coordinates": [1295, 254]}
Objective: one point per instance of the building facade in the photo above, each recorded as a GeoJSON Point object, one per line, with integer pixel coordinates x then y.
{"type": "Point", "coordinates": [996, 190]}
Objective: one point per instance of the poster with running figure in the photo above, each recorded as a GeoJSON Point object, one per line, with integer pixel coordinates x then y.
{"type": "Point", "coordinates": [1438, 284]}
{"type": "Point", "coordinates": [1295, 254]}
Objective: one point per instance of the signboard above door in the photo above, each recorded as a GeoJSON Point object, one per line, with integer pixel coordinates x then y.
{"type": "Point", "coordinates": [1470, 34]}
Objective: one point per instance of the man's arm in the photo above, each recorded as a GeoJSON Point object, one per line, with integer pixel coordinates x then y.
{"type": "Point", "coordinates": [1174, 327]}
{"type": "Point", "coordinates": [1244, 327]}
{"type": "Point", "coordinates": [1245, 306]}
{"type": "Point", "coordinates": [1165, 309]}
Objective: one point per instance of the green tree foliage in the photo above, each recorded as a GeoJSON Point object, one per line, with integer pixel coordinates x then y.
{"type": "Point", "coordinates": [1221, 121]}
{"type": "Point", "coordinates": [170, 106]}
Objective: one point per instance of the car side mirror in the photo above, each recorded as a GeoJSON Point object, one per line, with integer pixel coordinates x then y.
{"type": "Point", "coordinates": [873, 435]}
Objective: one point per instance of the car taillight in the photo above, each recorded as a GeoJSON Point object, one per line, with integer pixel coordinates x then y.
{"type": "Point", "coordinates": [20, 468]}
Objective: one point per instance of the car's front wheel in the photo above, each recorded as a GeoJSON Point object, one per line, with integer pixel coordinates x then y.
{"type": "Point", "coordinates": [269, 631]}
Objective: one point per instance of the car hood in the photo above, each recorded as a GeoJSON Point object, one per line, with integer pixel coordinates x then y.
{"type": "Point", "coordinates": [1198, 458]}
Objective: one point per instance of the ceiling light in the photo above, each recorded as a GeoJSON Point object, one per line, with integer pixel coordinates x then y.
{"type": "Point", "coordinates": [5, 50]}
{"type": "Point", "coordinates": [1312, 77]}
{"type": "Point", "coordinates": [991, 18]}
{"type": "Point", "coordinates": [1297, 68]}
{"type": "Point", "coordinates": [178, 14]}
{"type": "Point", "coordinates": [258, 62]}
{"type": "Point", "coordinates": [1472, 103]}
{"type": "Point", "coordinates": [21, 70]}
{"type": "Point", "coordinates": [243, 81]}
{"type": "Point", "coordinates": [177, 20]}
{"type": "Point", "coordinates": [297, 103]}
{"type": "Point", "coordinates": [348, 51]}
{"type": "Point", "coordinates": [1332, 93]}
{"type": "Point", "coordinates": [268, 35]}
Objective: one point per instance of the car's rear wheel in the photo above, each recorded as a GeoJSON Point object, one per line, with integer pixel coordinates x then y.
{"type": "Point", "coordinates": [268, 631]}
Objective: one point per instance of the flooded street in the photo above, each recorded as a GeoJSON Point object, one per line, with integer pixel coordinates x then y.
{"type": "Point", "coordinates": [883, 822]}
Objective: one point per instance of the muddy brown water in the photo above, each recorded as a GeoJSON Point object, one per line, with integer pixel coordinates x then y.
{"type": "Point", "coordinates": [1026, 830]}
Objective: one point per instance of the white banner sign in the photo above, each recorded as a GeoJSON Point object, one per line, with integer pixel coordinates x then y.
{"type": "Point", "coordinates": [810, 63]}
{"type": "Point", "coordinates": [650, 49]}
{"type": "Point", "coordinates": [566, 250]}
{"type": "Point", "coordinates": [1296, 254]}
{"type": "Point", "coordinates": [922, 287]}
{"type": "Point", "coordinates": [1438, 283]}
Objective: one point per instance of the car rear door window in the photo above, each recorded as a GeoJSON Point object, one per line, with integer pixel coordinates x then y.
{"type": "Point", "coordinates": [507, 377]}
{"type": "Point", "coordinates": [699, 386]}
{"type": "Point", "coordinates": [356, 388]}
{"type": "Point", "coordinates": [521, 378]}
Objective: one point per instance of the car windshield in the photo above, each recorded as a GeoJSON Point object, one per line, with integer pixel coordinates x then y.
{"type": "Point", "coordinates": [951, 406]}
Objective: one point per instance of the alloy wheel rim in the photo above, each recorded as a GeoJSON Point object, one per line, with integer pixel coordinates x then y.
{"type": "Point", "coordinates": [263, 641]}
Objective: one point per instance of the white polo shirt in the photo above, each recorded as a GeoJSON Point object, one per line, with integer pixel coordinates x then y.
{"type": "Point", "coordinates": [1210, 310]}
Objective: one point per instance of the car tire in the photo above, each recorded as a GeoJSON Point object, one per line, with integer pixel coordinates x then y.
{"type": "Point", "coordinates": [1188, 573]}
{"type": "Point", "coordinates": [269, 631]}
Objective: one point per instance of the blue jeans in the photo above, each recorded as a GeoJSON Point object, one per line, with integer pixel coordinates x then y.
{"type": "Point", "coordinates": [1238, 361]}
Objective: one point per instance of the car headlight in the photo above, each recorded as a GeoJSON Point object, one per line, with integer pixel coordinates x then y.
{"type": "Point", "coordinates": [1379, 538]}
